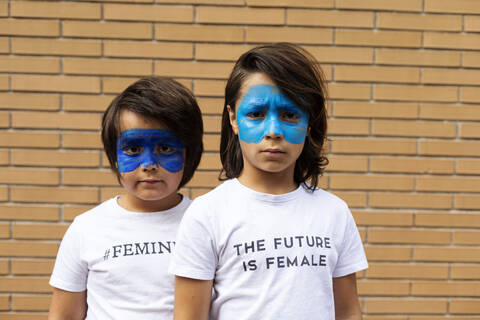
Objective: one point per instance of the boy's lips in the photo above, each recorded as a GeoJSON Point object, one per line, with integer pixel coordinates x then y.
{"type": "Point", "coordinates": [272, 150]}
{"type": "Point", "coordinates": [149, 180]}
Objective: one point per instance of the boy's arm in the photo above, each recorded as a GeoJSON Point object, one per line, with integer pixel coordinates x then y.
{"type": "Point", "coordinates": [347, 306]}
{"type": "Point", "coordinates": [192, 298]}
{"type": "Point", "coordinates": [68, 305]}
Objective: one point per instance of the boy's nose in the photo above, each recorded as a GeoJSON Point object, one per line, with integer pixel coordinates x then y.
{"type": "Point", "coordinates": [148, 161]}
{"type": "Point", "coordinates": [273, 127]}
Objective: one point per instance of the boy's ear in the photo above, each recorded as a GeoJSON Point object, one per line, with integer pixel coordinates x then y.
{"type": "Point", "coordinates": [233, 120]}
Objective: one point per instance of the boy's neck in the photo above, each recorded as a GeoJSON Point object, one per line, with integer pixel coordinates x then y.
{"type": "Point", "coordinates": [132, 203]}
{"type": "Point", "coordinates": [268, 182]}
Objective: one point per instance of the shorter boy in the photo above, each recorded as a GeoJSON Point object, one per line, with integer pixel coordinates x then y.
{"type": "Point", "coordinates": [113, 260]}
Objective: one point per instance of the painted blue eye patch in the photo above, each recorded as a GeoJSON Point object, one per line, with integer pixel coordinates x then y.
{"type": "Point", "coordinates": [266, 110]}
{"type": "Point", "coordinates": [146, 147]}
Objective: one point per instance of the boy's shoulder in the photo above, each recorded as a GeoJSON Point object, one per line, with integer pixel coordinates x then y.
{"type": "Point", "coordinates": [325, 197]}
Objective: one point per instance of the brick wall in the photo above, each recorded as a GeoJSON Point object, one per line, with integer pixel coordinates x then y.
{"type": "Point", "coordinates": [404, 81]}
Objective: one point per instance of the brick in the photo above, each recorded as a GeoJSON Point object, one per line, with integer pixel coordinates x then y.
{"type": "Point", "coordinates": [154, 13]}
{"type": "Point", "coordinates": [210, 105]}
{"type": "Point", "coordinates": [410, 200]}
{"type": "Point", "coordinates": [24, 284]}
{"type": "Point", "coordinates": [27, 27]}
{"type": "Point", "coordinates": [407, 271]}
{"type": "Point", "coordinates": [411, 165]}
{"type": "Point", "coordinates": [422, 22]}
{"type": "Point", "coordinates": [204, 179]}
{"type": "Point", "coordinates": [29, 212]}
{"type": "Point", "coordinates": [449, 112]}
{"type": "Point", "coordinates": [375, 110]}
{"type": "Point", "coordinates": [407, 5]}
{"type": "Point", "coordinates": [5, 120]}
{"type": "Point", "coordinates": [464, 306]}
{"type": "Point", "coordinates": [108, 193]}
{"type": "Point", "coordinates": [388, 253]}
{"type": "Point", "coordinates": [210, 161]}
{"type": "Point", "coordinates": [4, 9]}
{"type": "Point", "coordinates": [451, 220]}
{"type": "Point", "coordinates": [373, 146]}
{"type": "Point", "coordinates": [353, 199]}
{"type": "Point", "coordinates": [29, 139]}
{"type": "Point", "coordinates": [108, 30]}
{"type": "Point", "coordinates": [44, 9]}
{"type": "Point", "coordinates": [453, 148]}
{"type": "Point", "coordinates": [469, 94]}
{"type": "Point", "coordinates": [466, 201]}
{"type": "Point", "coordinates": [125, 67]}
{"type": "Point", "coordinates": [3, 193]}
{"type": "Point", "coordinates": [29, 176]}
{"type": "Point", "coordinates": [116, 85]}
{"type": "Point", "coordinates": [442, 288]}
{"type": "Point", "coordinates": [348, 127]}
{"type": "Point", "coordinates": [242, 16]}
{"type": "Point", "coordinates": [465, 271]}
{"type": "Point", "coordinates": [370, 182]}
{"type": "Point", "coordinates": [451, 40]}
{"type": "Point", "coordinates": [211, 123]}
{"type": "Point", "coordinates": [469, 130]}
{"type": "Point", "coordinates": [449, 76]}
{"type": "Point", "coordinates": [23, 316]}
{"type": "Point", "coordinates": [436, 254]}
{"type": "Point", "coordinates": [32, 266]}
{"type": "Point", "coordinates": [384, 287]}
{"type": "Point", "coordinates": [329, 18]}
{"type": "Point", "coordinates": [5, 230]}
{"type": "Point", "coordinates": [417, 57]}
{"type": "Point", "coordinates": [341, 54]}
{"type": "Point", "coordinates": [38, 231]}
{"type": "Point", "coordinates": [472, 24]}
{"type": "Point", "coordinates": [54, 194]}
{"type": "Point", "coordinates": [408, 128]}
{"type": "Point", "coordinates": [4, 45]}
{"type": "Point", "coordinates": [349, 91]}
{"type": "Point", "coordinates": [15, 64]}
{"type": "Point", "coordinates": [192, 69]}
{"type": "Point", "coordinates": [405, 306]}
{"type": "Point", "coordinates": [471, 59]}
{"type": "Point", "coordinates": [347, 163]}
{"type": "Point", "coordinates": [77, 177]}
{"type": "Point", "coordinates": [81, 140]}
{"type": "Point", "coordinates": [28, 249]}
{"type": "Point", "coordinates": [48, 120]}
{"type": "Point", "coordinates": [291, 3]}
{"type": "Point", "coordinates": [378, 38]}
{"type": "Point", "coordinates": [71, 211]}
{"type": "Point", "coordinates": [56, 83]}
{"type": "Point", "coordinates": [415, 93]}
{"type": "Point", "coordinates": [30, 101]}
{"type": "Point", "coordinates": [82, 102]}
{"type": "Point", "coordinates": [211, 142]}
{"type": "Point", "coordinates": [382, 218]}
{"type": "Point", "coordinates": [445, 6]}
{"type": "Point", "coordinates": [466, 237]}
{"type": "Point", "coordinates": [4, 302]}
{"type": "Point", "coordinates": [224, 52]}
{"type": "Point", "coordinates": [377, 74]}
{"type": "Point", "coordinates": [222, 2]}
{"type": "Point", "coordinates": [4, 157]}
{"type": "Point", "coordinates": [408, 236]}
{"type": "Point", "coordinates": [199, 33]}
{"type": "Point", "coordinates": [468, 166]}
{"type": "Point", "coordinates": [143, 49]}
{"type": "Point", "coordinates": [55, 158]}
{"type": "Point", "coordinates": [30, 302]}
{"type": "Point", "coordinates": [4, 266]}
{"type": "Point", "coordinates": [60, 47]}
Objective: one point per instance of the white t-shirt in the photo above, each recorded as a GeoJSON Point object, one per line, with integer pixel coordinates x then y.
{"type": "Point", "coordinates": [272, 257]}
{"type": "Point", "coordinates": [121, 258]}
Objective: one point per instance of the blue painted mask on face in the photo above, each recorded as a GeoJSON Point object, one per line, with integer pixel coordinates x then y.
{"type": "Point", "coordinates": [146, 147]}
{"type": "Point", "coordinates": [266, 110]}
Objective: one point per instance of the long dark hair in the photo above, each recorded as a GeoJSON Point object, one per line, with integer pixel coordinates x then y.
{"type": "Point", "coordinates": [296, 74]}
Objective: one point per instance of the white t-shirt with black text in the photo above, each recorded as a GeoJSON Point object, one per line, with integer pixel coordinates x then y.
{"type": "Point", "coordinates": [271, 257]}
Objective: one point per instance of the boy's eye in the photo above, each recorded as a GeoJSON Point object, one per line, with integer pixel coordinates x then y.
{"type": "Point", "coordinates": [164, 149]}
{"type": "Point", "coordinates": [133, 150]}
{"type": "Point", "coordinates": [290, 116]}
{"type": "Point", "coordinates": [256, 115]}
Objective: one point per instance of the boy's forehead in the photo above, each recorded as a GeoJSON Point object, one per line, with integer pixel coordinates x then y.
{"type": "Point", "coordinates": [131, 120]}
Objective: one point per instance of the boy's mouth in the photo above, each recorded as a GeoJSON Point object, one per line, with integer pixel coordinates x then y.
{"type": "Point", "coordinates": [273, 151]}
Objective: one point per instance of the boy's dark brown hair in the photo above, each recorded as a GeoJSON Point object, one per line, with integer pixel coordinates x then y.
{"type": "Point", "coordinates": [164, 100]}
{"type": "Point", "coordinates": [297, 75]}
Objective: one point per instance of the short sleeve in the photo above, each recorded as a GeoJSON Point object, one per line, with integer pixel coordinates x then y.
{"type": "Point", "coordinates": [70, 272]}
{"type": "Point", "coordinates": [195, 254]}
{"type": "Point", "coordinates": [351, 254]}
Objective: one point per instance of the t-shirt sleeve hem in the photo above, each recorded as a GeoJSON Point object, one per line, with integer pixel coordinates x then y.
{"type": "Point", "coordinates": [350, 269]}
{"type": "Point", "coordinates": [192, 274]}
{"type": "Point", "coordinates": [62, 285]}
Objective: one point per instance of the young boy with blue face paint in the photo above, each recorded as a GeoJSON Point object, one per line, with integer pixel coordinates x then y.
{"type": "Point", "coordinates": [272, 244]}
{"type": "Point", "coordinates": [113, 260]}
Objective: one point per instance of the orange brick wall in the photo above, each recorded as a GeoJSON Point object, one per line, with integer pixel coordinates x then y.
{"type": "Point", "coordinates": [404, 82]}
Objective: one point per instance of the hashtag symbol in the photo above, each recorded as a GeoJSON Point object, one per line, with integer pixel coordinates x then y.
{"type": "Point", "coordinates": [107, 253]}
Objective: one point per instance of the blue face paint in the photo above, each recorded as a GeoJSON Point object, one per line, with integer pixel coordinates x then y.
{"type": "Point", "coordinates": [266, 110]}
{"type": "Point", "coordinates": [146, 147]}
